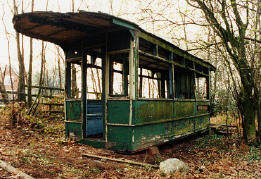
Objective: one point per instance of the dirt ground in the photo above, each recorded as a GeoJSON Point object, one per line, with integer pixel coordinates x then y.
{"type": "Point", "coordinates": [38, 148]}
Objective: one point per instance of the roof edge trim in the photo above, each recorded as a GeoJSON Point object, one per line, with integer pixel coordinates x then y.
{"type": "Point", "coordinates": [123, 24]}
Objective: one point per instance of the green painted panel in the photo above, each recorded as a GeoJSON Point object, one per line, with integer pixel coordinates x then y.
{"type": "Point", "coordinates": [201, 123]}
{"type": "Point", "coordinates": [184, 109]}
{"type": "Point", "coordinates": [118, 111]}
{"type": "Point", "coordinates": [94, 143]}
{"type": "Point", "coordinates": [156, 134]}
{"type": "Point", "coordinates": [149, 133]}
{"type": "Point", "coordinates": [73, 129]}
{"type": "Point", "coordinates": [73, 110]}
{"type": "Point", "coordinates": [184, 127]}
{"type": "Point", "coordinates": [151, 111]}
{"type": "Point", "coordinates": [203, 107]}
{"type": "Point", "coordinates": [119, 134]}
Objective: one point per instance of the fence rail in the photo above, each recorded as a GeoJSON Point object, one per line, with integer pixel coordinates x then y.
{"type": "Point", "coordinates": [44, 98]}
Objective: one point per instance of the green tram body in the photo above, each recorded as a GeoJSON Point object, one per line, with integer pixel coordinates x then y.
{"type": "Point", "coordinates": [125, 122]}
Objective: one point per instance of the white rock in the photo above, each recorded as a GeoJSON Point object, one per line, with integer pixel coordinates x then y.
{"type": "Point", "coordinates": [172, 165]}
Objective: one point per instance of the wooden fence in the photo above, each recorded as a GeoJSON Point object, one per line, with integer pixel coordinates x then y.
{"type": "Point", "coordinates": [49, 96]}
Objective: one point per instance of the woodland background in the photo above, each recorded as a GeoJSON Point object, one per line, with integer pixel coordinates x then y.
{"type": "Point", "coordinates": [225, 33]}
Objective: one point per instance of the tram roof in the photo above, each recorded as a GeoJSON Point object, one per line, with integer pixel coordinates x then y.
{"type": "Point", "coordinates": [65, 29]}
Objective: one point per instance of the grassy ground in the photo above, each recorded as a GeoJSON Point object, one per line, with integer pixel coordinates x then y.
{"type": "Point", "coordinates": [38, 148]}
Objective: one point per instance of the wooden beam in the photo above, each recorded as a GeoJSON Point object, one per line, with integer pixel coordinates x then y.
{"type": "Point", "coordinates": [73, 59]}
{"type": "Point", "coordinates": [67, 79]}
{"type": "Point", "coordinates": [13, 170]}
{"type": "Point", "coordinates": [131, 78]}
{"type": "Point", "coordinates": [119, 51]}
{"type": "Point", "coordinates": [120, 160]}
{"type": "Point", "coordinates": [153, 56]}
{"type": "Point", "coordinates": [49, 88]}
{"type": "Point", "coordinates": [84, 96]}
{"type": "Point", "coordinates": [106, 88]}
{"type": "Point", "coordinates": [171, 48]}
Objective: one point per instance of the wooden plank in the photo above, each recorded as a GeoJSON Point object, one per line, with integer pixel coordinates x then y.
{"type": "Point", "coordinates": [13, 170]}
{"type": "Point", "coordinates": [120, 160]}
{"type": "Point", "coordinates": [33, 95]}
{"type": "Point", "coordinates": [51, 111]}
{"type": "Point", "coordinates": [49, 88]}
{"type": "Point", "coordinates": [51, 104]}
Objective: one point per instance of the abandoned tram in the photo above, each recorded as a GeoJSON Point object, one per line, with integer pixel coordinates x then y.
{"type": "Point", "coordinates": [132, 90]}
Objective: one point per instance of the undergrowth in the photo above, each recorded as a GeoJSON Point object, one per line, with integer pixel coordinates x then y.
{"type": "Point", "coordinates": [15, 116]}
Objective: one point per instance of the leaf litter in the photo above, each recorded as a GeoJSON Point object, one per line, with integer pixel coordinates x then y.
{"type": "Point", "coordinates": [42, 152]}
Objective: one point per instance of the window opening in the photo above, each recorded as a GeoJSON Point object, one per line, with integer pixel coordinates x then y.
{"type": "Point", "coordinates": [76, 76]}
{"type": "Point", "coordinates": [184, 83]}
{"type": "Point", "coordinates": [119, 76]}
{"type": "Point", "coordinates": [94, 77]}
{"type": "Point", "coordinates": [201, 87]}
{"type": "Point", "coordinates": [153, 81]}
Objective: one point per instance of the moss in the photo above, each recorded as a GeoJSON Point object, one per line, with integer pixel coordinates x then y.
{"type": "Point", "coordinates": [248, 111]}
{"type": "Point", "coordinates": [155, 111]}
{"type": "Point", "coordinates": [184, 109]}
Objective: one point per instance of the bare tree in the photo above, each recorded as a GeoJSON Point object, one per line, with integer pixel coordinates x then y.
{"type": "Point", "coordinates": [233, 33]}
{"type": "Point", "coordinates": [29, 83]}
{"type": "Point", "coordinates": [9, 57]}
{"type": "Point", "coordinates": [2, 86]}
{"type": "Point", "coordinates": [21, 83]}
{"type": "Point", "coordinates": [59, 57]}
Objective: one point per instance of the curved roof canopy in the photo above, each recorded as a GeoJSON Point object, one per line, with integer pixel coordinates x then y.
{"type": "Point", "coordinates": [65, 29]}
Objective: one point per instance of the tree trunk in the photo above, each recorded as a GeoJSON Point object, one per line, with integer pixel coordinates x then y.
{"type": "Point", "coordinates": [248, 112]}
{"type": "Point", "coordinates": [258, 28]}
{"type": "Point", "coordinates": [29, 83]}
{"type": "Point", "coordinates": [2, 87]}
{"type": "Point", "coordinates": [235, 44]}
{"type": "Point", "coordinates": [41, 82]}
{"type": "Point", "coordinates": [59, 67]}
{"type": "Point", "coordinates": [21, 82]}
{"type": "Point", "coordinates": [9, 57]}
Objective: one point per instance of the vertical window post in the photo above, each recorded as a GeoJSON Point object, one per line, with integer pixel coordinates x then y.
{"type": "Point", "coordinates": [171, 77]}
{"type": "Point", "coordinates": [84, 94]}
{"type": "Point", "coordinates": [68, 79]}
{"type": "Point", "coordinates": [132, 73]}
{"type": "Point", "coordinates": [207, 85]}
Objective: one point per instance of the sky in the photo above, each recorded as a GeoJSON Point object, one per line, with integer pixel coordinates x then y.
{"type": "Point", "coordinates": [128, 9]}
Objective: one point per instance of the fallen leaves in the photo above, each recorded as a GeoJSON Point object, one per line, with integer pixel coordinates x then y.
{"type": "Point", "coordinates": [50, 155]}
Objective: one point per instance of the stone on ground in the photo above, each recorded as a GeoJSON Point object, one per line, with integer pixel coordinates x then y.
{"type": "Point", "coordinates": [173, 165]}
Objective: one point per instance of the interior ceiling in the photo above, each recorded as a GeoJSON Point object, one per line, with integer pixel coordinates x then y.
{"type": "Point", "coordinates": [62, 29]}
